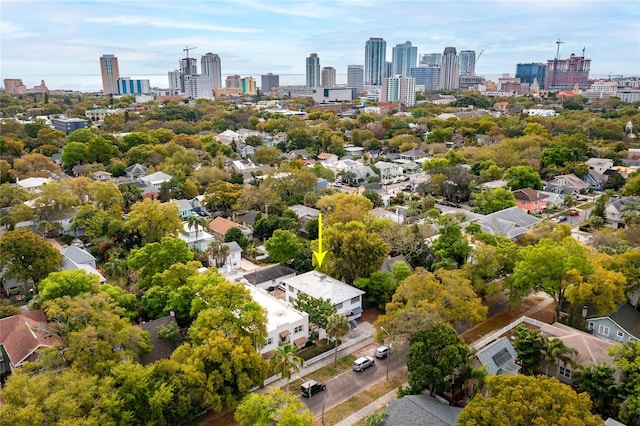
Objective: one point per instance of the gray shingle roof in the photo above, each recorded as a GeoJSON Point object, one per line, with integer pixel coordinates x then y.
{"type": "Point", "coordinates": [78, 255]}
{"type": "Point", "coordinates": [628, 318]}
{"type": "Point", "coordinates": [420, 410]}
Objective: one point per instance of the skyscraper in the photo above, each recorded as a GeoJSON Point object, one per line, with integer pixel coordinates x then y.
{"type": "Point", "coordinates": [328, 77]}
{"type": "Point", "coordinates": [429, 77]}
{"type": "Point", "coordinates": [467, 61]}
{"type": "Point", "coordinates": [110, 74]}
{"type": "Point", "coordinates": [449, 74]}
{"type": "Point", "coordinates": [211, 67]}
{"type": "Point", "coordinates": [431, 59]}
{"type": "Point", "coordinates": [189, 66]}
{"type": "Point", "coordinates": [270, 81]}
{"type": "Point", "coordinates": [399, 89]}
{"type": "Point", "coordinates": [403, 57]}
{"type": "Point", "coordinates": [375, 59]}
{"type": "Point", "coordinates": [355, 77]}
{"type": "Point", "coordinates": [564, 74]}
{"type": "Point", "coordinates": [313, 70]}
{"type": "Point", "coordinates": [532, 71]}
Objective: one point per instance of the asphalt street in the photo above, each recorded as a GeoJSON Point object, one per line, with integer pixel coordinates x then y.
{"type": "Point", "coordinates": [349, 383]}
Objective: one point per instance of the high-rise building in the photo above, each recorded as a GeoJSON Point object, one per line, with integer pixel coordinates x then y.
{"type": "Point", "coordinates": [399, 89]}
{"type": "Point", "coordinates": [212, 67]}
{"type": "Point", "coordinates": [375, 59]}
{"type": "Point", "coordinates": [313, 70]}
{"type": "Point", "coordinates": [189, 66]}
{"type": "Point", "coordinates": [388, 69]}
{"type": "Point", "coordinates": [14, 86]}
{"type": "Point", "coordinates": [564, 74]}
{"type": "Point", "coordinates": [431, 59]}
{"type": "Point", "coordinates": [328, 77]}
{"type": "Point", "coordinates": [269, 81]}
{"type": "Point", "coordinates": [403, 57]}
{"type": "Point", "coordinates": [233, 81]}
{"type": "Point", "coordinates": [449, 74]}
{"type": "Point", "coordinates": [355, 77]}
{"type": "Point", "coordinates": [128, 86]}
{"type": "Point", "coordinates": [532, 71]}
{"type": "Point", "coordinates": [176, 84]}
{"type": "Point", "coordinates": [428, 77]}
{"type": "Point", "coordinates": [110, 74]}
{"type": "Point", "coordinates": [248, 85]}
{"type": "Point", "coordinates": [467, 61]}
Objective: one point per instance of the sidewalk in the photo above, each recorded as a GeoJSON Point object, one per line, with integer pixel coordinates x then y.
{"type": "Point", "coordinates": [365, 412]}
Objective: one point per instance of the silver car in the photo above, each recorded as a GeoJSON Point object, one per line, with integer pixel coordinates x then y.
{"type": "Point", "coordinates": [362, 363]}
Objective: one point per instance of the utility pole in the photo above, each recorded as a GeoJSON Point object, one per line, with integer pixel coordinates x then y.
{"type": "Point", "coordinates": [555, 63]}
{"type": "Point", "coordinates": [388, 346]}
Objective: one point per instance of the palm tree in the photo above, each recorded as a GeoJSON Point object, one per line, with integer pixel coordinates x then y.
{"type": "Point", "coordinates": [337, 327]}
{"type": "Point", "coordinates": [285, 361]}
{"type": "Point", "coordinates": [44, 227]}
{"type": "Point", "coordinates": [557, 352]}
{"type": "Point", "coordinates": [196, 222]}
{"type": "Point", "coordinates": [116, 268]}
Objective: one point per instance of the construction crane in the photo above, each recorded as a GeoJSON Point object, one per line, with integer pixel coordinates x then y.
{"type": "Point", "coordinates": [555, 63]}
{"type": "Point", "coordinates": [474, 63]}
{"type": "Point", "coordinates": [187, 49]}
{"type": "Point", "coordinates": [188, 64]}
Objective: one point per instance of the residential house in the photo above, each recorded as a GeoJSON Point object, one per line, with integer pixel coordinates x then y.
{"type": "Point", "coordinates": [354, 151]}
{"type": "Point", "coordinates": [553, 199]}
{"type": "Point", "coordinates": [567, 184]}
{"type": "Point", "coordinates": [270, 277]}
{"type": "Point", "coordinates": [389, 172]}
{"type": "Point", "coordinates": [220, 225]}
{"type": "Point", "coordinates": [493, 184]}
{"type": "Point", "coordinates": [230, 267]}
{"type": "Point", "coordinates": [327, 157]}
{"type": "Point", "coordinates": [101, 176]}
{"type": "Point", "coordinates": [162, 347]}
{"type": "Point", "coordinates": [228, 137]}
{"type": "Point", "coordinates": [20, 338]}
{"type": "Point", "coordinates": [304, 213]}
{"type": "Point", "coordinates": [195, 238]}
{"type": "Point", "coordinates": [398, 216]}
{"type": "Point", "coordinates": [155, 180]}
{"type": "Point", "coordinates": [136, 170]}
{"type": "Point", "coordinates": [345, 298]}
{"type": "Point", "coordinates": [511, 222]}
{"type": "Point", "coordinates": [621, 326]}
{"type": "Point", "coordinates": [246, 218]}
{"type": "Point", "coordinates": [600, 165]}
{"type": "Point", "coordinates": [614, 211]}
{"type": "Point", "coordinates": [413, 155]}
{"type": "Point", "coordinates": [530, 200]}
{"type": "Point", "coordinates": [284, 323]}
{"type": "Point", "coordinates": [421, 410]}
{"type": "Point", "coordinates": [298, 154]}
{"type": "Point", "coordinates": [499, 357]}
{"type": "Point", "coordinates": [185, 207]}
{"type": "Point", "coordinates": [32, 184]}
{"type": "Point", "coordinates": [361, 174]}
{"type": "Point", "coordinates": [76, 258]}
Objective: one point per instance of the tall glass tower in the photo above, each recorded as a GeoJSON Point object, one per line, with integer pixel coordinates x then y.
{"type": "Point", "coordinates": [449, 74]}
{"type": "Point", "coordinates": [313, 70]}
{"type": "Point", "coordinates": [375, 59]}
{"type": "Point", "coordinates": [211, 67]}
{"type": "Point", "coordinates": [110, 74]}
{"type": "Point", "coordinates": [467, 61]}
{"type": "Point", "coordinates": [403, 58]}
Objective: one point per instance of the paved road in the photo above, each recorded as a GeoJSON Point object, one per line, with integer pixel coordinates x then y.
{"type": "Point", "coordinates": [349, 383]}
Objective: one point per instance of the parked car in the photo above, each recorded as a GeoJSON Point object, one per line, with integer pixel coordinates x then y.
{"type": "Point", "coordinates": [559, 219]}
{"type": "Point", "coordinates": [574, 213]}
{"type": "Point", "coordinates": [307, 389]}
{"type": "Point", "coordinates": [382, 352]}
{"type": "Point", "coordinates": [363, 363]}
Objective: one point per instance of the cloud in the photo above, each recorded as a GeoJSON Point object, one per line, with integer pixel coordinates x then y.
{"type": "Point", "coordinates": [11, 31]}
{"type": "Point", "coordinates": [165, 23]}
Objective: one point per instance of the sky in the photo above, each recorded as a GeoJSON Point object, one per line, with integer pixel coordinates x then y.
{"type": "Point", "coordinates": [61, 41]}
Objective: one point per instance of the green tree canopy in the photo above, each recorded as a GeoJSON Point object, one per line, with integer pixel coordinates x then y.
{"type": "Point", "coordinates": [493, 200]}
{"type": "Point", "coordinates": [68, 283]}
{"type": "Point", "coordinates": [519, 177]}
{"type": "Point", "coordinates": [283, 246]}
{"type": "Point", "coordinates": [272, 408]}
{"type": "Point", "coordinates": [319, 310]}
{"type": "Point", "coordinates": [155, 258]}
{"type": "Point", "coordinates": [154, 220]}
{"type": "Point", "coordinates": [525, 400]}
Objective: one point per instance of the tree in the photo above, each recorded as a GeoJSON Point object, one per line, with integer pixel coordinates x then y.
{"type": "Point", "coordinates": [337, 327]}
{"type": "Point", "coordinates": [493, 200]}
{"type": "Point", "coordinates": [354, 252]}
{"type": "Point", "coordinates": [272, 408]}
{"type": "Point", "coordinates": [599, 381]}
{"type": "Point", "coordinates": [235, 234]}
{"type": "Point", "coordinates": [529, 345]}
{"type": "Point", "coordinates": [551, 267]}
{"type": "Point", "coordinates": [196, 222]}
{"type": "Point", "coordinates": [74, 153]}
{"type": "Point", "coordinates": [524, 400]}
{"type": "Point", "coordinates": [285, 361]}
{"type": "Point", "coordinates": [60, 397]}
{"type": "Point", "coordinates": [319, 310]}
{"type": "Point", "coordinates": [26, 257]}
{"type": "Point", "coordinates": [106, 195]}
{"type": "Point", "coordinates": [95, 333]}
{"type": "Point", "coordinates": [451, 247]}
{"type": "Point", "coordinates": [154, 220]}
{"type": "Point", "coordinates": [626, 357]}
{"type": "Point", "coordinates": [283, 246]}
{"type": "Point", "coordinates": [443, 295]}
{"type": "Point", "coordinates": [519, 177]}
{"type": "Point", "coordinates": [344, 207]}
{"type": "Point", "coordinates": [379, 287]}
{"type": "Point", "coordinates": [68, 283]}
{"type": "Point", "coordinates": [557, 352]}
{"type": "Point", "coordinates": [433, 358]}
{"type": "Point", "coordinates": [222, 195]}
{"type": "Point", "coordinates": [52, 198]}
{"type": "Point", "coordinates": [155, 258]}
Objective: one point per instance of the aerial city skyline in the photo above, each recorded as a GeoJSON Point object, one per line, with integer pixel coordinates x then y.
{"type": "Point", "coordinates": [254, 38]}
